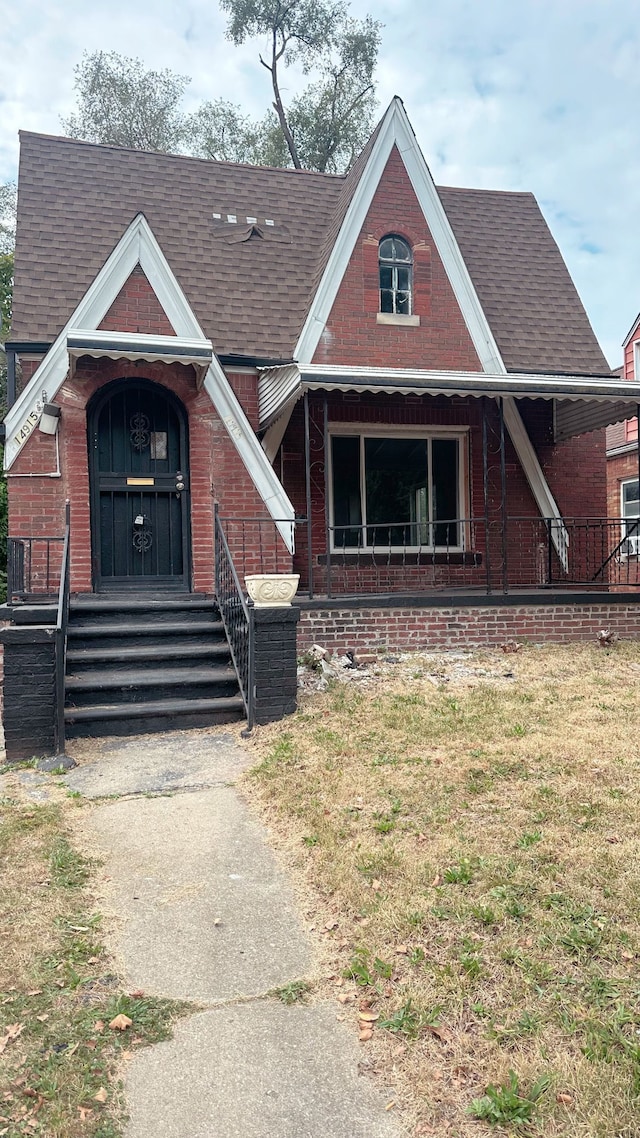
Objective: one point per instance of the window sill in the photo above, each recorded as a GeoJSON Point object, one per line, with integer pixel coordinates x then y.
{"type": "Point", "coordinates": [398, 318]}
{"type": "Point", "coordinates": [382, 559]}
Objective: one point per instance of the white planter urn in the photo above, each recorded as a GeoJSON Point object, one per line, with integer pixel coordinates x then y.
{"type": "Point", "coordinates": [272, 590]}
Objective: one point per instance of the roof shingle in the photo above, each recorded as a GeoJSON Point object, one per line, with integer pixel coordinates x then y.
{"type": "Point", "coordinates": [251, 296]}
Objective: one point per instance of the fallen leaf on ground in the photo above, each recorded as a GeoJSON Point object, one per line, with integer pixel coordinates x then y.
{"type": "Point", "coordinates": [565, 1099]}
{"type": "Point", "coordinates": [402, 950]}
{"type": "Point", "coordinates": [12, 1031]}
{"type": "Point", "coordinates": [365, 1034]}
{"type": "Point", "coordinates": [43, 1018]}
{"type": "Point", "coordinates": [138, 994]}
{"type": "Point", "coordinates": [436, 881]}
{"type": "Point", "coordinates": [98, 1025]}
{"type": "Point", "coordinates": [100, 1096]}
{"type": "Point", "coordinates": [369, 1017]}
{"type": "Point", "coordinates": [120, 1022]}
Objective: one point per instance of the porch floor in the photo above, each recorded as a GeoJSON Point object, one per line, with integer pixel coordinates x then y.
{"type": "Point", "coordinates": [469, 596]}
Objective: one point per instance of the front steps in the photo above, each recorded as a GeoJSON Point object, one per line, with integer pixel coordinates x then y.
{"type": "Point", "coordinates": [147, 662]}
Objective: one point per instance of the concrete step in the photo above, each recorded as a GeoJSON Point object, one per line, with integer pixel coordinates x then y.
{"type": "Point", "coordinates": [144, 655]}
{"type": "Point", "coordinates": [151, 715]}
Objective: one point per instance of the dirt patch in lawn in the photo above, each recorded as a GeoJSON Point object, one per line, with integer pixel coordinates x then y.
{"type": "Point", "coordinates": [467, 829]}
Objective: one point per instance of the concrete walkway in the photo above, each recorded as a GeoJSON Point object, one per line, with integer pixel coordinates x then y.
{"type": "Point", "coordinates": [204, 913]}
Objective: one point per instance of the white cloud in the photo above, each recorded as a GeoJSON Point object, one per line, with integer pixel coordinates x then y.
{"type": "Point", "coordinates": [538, 95]}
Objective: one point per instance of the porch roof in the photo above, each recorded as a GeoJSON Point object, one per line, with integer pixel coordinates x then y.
{"type": "Point", "coordinates": [582, 403]}
{"type": "Point", "coordinates": [138, 346]}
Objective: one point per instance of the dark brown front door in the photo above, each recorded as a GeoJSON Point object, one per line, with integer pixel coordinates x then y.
{"type": "Point", "coordinates": [138, 460]}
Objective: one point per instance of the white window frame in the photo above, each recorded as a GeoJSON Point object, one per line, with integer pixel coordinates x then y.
{"type": "Point", "coordinates": [393, 265]}
{"type": "Point", "coordinates": [633, 539]}
{"type": "Point", "coordinates": [636, 360]}
{"type": "Point", "coordinates": [374, 431]}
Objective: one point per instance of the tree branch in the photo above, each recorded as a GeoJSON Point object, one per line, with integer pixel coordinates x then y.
{"type": "Point", "coordinates": [278, 105]}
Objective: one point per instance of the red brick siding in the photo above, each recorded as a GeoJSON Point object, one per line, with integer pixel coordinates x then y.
{"type": "Point", "coordinates": [137, 309]}
{"type": "Point", "coordinates": [398, 629]}
{"type": "Point", "coordinates": [36, 505]}
{"type": "Point", "coordinates": [352, 334]}
{"type": "Point", "coordinates": [577, 494]}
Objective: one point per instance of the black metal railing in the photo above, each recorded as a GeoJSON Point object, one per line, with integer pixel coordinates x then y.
{"type": "Point", "coordinates": [33, 567]}
{"type": "Point", "coordinates": [488, 554]}
{"type": "Point", "coordinates": [237, 617]}
{"type": "Point", "coordinates": [62, 620]}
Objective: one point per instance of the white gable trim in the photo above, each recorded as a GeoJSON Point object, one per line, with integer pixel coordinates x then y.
{"type": "Point", "coordinates": [396, 129]}
{"type": "Point", "coordinates": [139, 246]}
{"type": "Point", "coordinates": [539, 486]}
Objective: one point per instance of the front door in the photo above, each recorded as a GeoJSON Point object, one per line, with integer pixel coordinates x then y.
{"type": "Point", "coordinates": [138, 459]}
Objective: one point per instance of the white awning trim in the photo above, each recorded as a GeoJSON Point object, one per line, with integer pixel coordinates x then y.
{"type": "Point", "coordinates": [277, 385]}
{"type": "Point", "coordinates": [132, 346]}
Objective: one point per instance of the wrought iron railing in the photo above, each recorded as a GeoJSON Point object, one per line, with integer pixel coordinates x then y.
{"type": "Point", "coordinates": [62, 620]}
{"type": "Point", "coordinates": [488, 554]}
{"type": "Point", "coordinates": [34, 566]}
{"type": "Point", "coordinates": [237, 617]}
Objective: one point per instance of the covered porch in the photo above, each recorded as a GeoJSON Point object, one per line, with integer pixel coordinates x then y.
{"type": "Point", "coordinates": [410, 484]}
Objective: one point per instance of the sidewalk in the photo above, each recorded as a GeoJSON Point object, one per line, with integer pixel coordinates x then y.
{"type": "Point", "coordinates": [204, 913]}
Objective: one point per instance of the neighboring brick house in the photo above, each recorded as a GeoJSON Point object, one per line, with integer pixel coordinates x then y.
{"type": "Point", "coordinates": [623, 482]}
{"type": "Point", "coordinates": [389, 389]}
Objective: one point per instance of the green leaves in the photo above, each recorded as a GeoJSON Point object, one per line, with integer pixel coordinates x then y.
{"type": "Point", "coordinates": [122, 104]}
{"type": "Point", "coordinates": [504, 1104]}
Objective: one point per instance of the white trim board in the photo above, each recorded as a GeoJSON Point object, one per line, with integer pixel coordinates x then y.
{"type": "Point", "coordinates": [396, 130]}
{"type": "Point", "coordinates": [139, 246]}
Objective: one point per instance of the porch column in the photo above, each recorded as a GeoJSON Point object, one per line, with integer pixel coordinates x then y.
{"type": "Point", "coordinates": [503, 494]}
{"type": "Point", "coordinates": [307, 486]}
{"type": "Point", "coordinates": [327, 518]}
{"type": "Point", "coordinates": [485, 490]}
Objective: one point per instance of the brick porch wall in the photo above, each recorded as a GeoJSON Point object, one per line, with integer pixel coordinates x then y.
{"type": "Point", "coordinates": [417, 628]}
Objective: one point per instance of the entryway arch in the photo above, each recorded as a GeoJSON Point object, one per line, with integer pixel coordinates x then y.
{"type": "Point", "coordinates": [139, 486]}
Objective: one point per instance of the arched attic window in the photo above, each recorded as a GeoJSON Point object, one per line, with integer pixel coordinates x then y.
{"type": "Point", "coordinates": [395, 261]}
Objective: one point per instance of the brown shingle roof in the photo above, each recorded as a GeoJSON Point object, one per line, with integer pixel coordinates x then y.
{"type": "Point", "coordinates": [251, 297]}
{"type": "Point", "coordinates": [76, 199]}
{"type": "Point", "coordinates": [522, 282]}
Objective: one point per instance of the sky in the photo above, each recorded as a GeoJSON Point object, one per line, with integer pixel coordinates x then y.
{"type": "Point", "coordinates": [538, 95]}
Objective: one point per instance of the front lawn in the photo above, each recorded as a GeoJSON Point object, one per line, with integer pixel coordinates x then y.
{"type": "Point", "coordinates": [66, 1025]}
{"type": "Point", "coordinates": [469, 831]}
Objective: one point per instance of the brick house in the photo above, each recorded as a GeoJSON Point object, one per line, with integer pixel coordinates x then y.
{"type": "Point", "coordinates": [623, 470]}
{"type": "Point", "coordinates": [388, 389]}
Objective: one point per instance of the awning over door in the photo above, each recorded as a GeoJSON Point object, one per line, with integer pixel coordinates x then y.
{"type": "Point", "coordinates": [137, 346]}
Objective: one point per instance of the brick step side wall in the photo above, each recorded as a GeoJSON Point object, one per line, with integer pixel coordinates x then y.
{"type": "Point", "coordinates": [416, 629]}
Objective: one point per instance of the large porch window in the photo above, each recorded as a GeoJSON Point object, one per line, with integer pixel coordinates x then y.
{"type": "Point", "coordinates": [396, 492]}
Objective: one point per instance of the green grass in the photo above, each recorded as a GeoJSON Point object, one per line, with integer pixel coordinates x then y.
{"type": "Point", "coordinates": [494, 876]}
{"type": "Point", "coordinates": [58, 987]}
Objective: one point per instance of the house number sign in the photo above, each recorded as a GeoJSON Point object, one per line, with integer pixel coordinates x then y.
{"type": "Point", "coordinates": [31, 421]}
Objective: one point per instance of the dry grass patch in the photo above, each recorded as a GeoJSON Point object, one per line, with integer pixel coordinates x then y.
{"type": "Point", "coordinates": [471, 829]}
{"type": "Point", "coordinates": [58, 1057]}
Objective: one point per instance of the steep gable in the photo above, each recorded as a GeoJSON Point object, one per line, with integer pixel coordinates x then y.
{"type": "Point", "coordinates": [353, 334]}
{"type": "Point", "coordinates": [137, 309]}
